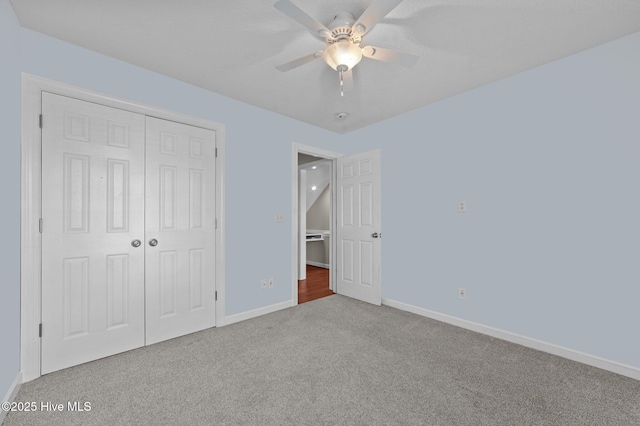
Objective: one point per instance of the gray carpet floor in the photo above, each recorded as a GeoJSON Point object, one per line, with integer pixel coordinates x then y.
{"type": "Point", "coordinates": [335, 361]}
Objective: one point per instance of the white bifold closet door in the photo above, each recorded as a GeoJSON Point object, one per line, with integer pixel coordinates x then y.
{"type": "Point", "coordinates": [180, 217]}
{"type": "Point", "coordinates": [92, 210]}
{"type": "Point", "coordinates": [112, 181]}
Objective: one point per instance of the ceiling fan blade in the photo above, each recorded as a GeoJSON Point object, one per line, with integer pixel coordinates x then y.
{"type": "Point", "coordinates": [294, 12]}
{"type": "Point", "coordinates": [374, 14]}
{"type": "Point", "coordinates": [385, 55]}
{"type": "Point", "coordinates": [299, 62]}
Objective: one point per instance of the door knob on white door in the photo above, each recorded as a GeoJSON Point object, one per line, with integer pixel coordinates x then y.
{"type": "Point", "coordinates": [136, 243]}
{"type": "Point", "coordinates": [153, 242]}
{"type": "Point", "coordinates": [376, 235]}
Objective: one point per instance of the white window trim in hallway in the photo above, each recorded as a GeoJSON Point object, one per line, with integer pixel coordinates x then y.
{"type": "Point", "coordinates": [30, 238]}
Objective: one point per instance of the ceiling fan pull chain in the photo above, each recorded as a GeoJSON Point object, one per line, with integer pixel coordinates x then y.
{"type": "Point", "coordinates": [341, 83]}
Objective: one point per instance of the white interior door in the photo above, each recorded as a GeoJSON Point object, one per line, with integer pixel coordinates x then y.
{"type": "Point", "coordinates": [180, 229]}
{"type": "Point", "coordinates": [359, 227]}
{"type": "Point", "coordinates": [92, 275]}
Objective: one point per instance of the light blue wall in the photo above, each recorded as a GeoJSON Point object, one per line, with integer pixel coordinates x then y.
{"type": "Point", "coordinates": [547, 161]}
{"type": "Point", "coordinates": [10, 196]}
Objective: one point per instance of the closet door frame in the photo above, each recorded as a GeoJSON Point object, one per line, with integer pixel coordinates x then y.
{"type": "Point", "coordinates": [31, 208]}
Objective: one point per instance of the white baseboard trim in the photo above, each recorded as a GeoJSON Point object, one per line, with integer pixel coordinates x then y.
{"type": "Point", "coordinates": [231, 319]}
{"type": "Point", "coordinates": [318, 264]}
{"type": "Point", "coordinates": [11, 393]}
{"type": "Point", "coordinates": [584, 358]}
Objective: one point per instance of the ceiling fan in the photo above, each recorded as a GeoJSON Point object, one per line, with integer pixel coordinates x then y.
{"type": "Point", "coordinates": [343, 36]}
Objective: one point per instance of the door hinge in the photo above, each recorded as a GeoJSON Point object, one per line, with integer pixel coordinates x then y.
{"type": "Point", "coordinates": [216, 295]}
{"type": "Point", "coordinates": [40, 226]}
{"type": "Point", "coordinates": [216, 149]}
{"type": "Point", "coordinates": [216, 223]}
{"type": "Point", "coordinates": [40, 121]}
{"type": "Point", "coordinates": [40, 330]}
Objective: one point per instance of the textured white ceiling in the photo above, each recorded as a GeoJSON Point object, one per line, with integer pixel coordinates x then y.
{"type": "Point", "coordinates": [233, 47]}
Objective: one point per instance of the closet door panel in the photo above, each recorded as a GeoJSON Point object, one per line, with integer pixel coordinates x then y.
{"type": "Point", "coordinates": [92, 210]}
{"type": "Point", "coordinates": [180, 229]}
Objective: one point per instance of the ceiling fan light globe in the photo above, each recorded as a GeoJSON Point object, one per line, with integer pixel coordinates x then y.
{"type": "Point", "coordinates": [343, 53]}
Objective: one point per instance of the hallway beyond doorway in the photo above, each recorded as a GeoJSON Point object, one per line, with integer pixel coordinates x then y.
{"type": "Point", "coordinates": [315, 286]}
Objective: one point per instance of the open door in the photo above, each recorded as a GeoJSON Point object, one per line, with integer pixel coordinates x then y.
{"type": "Point", "coordinates": [359, 227]}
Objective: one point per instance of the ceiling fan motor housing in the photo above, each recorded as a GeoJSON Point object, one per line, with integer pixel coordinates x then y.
{"type": "Point", "coordinates": [341, 29]}
{"type": "Point", "coordinates": [343, 51]}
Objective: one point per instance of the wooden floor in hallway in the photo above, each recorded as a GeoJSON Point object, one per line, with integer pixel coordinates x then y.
{"type": "Point", "coordinates": [315, 286]}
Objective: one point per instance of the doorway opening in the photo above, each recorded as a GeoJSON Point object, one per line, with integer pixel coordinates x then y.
{"type": "Point", "coordinates": [316, 279]}
{"type": "Point", "coordinates": [315, 189]}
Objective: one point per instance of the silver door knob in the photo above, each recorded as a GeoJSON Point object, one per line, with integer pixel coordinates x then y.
{"type": "Point", "coordinates": [153, 242]}
{"type": "Point", "coordinates": [376, 235]}
{"type": "Point", "coordinates": [136, 243]}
